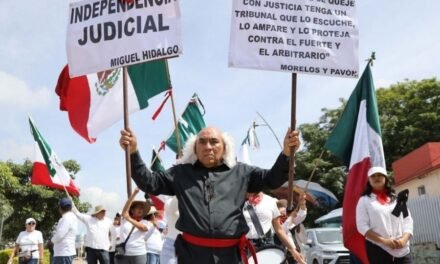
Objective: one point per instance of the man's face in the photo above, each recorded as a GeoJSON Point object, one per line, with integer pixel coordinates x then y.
{"type": "Point", "coordinates": [210, 147]}
{"type": "Point", "coordinates": [100, 215]}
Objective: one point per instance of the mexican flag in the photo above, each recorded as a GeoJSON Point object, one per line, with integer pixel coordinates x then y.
{"type": "Point", "coordinates": [95, 102]}
{"type": "Point", "coordinates": [357, 140]}
{"type": "Point", "coordinates": [190, 123]}
{"type": "Point", "coordinates": [156, 165]}
{"type": "Point", "coordinates": [156, 162]}
{"type": "Point", "coordinates": [48, 169]}
{"type": "Point", "coordinates": [251, 139]}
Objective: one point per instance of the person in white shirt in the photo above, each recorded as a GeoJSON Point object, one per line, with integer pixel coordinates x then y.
{"type": "Point", "coordinates": [29, 245]}
{"type": "Point", "coordinates": [153, 238]}
{"type": "Point", "coordinates": [64, 237]}
{"type": "Point", "coordinates": [168, 253]}
{"type": "Point", "coordinates": [387, 236]}
{"type": "Point", "coordinates": [98, 234]}
{"type": "Point", "coordinates": [133, 227]}
{"type": "Point", "coordinates": [269, 216]}
{"type": "Point", "coordinates": [293, 228]}
{"type": "Point", "coordinates": [115, 236]}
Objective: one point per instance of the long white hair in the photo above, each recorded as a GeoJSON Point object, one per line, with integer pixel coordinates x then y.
{"type": "Point", "coordinates": [190, 157]}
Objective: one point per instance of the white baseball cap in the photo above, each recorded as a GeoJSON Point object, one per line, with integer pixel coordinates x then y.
{"type": "Point", "coordinates": [374, 170]}
{"type": "Point", "coordinates": [29, 220]}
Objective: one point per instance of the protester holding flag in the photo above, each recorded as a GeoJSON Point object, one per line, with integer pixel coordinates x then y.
{"type": "Point", "coordinates": [211, 188]}
{"type": "Point", "coordinates": [387, 236]}
{"type": "Point", "coordinates": [98, 231]}
{"type": "Point", "coordinates": [357, 141]}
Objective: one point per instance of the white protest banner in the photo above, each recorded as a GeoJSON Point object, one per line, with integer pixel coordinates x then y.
{"type": "Point", "coordinates": [107, 34]}
{"type": "Point", "coordinates": [303, 36]}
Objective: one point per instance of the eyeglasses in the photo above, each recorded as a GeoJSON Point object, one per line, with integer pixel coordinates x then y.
{"type": "Point", "coordinates": [31, 223]}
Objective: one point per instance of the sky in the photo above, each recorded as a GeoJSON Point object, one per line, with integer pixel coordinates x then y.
{"type": "Point", "coordinates": [404, 34]}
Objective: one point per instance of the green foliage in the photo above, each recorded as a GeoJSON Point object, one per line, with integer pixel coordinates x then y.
{"type": "Point", "coordinates": [409, 116]}
{"type": "Point", "coordinates": [6, 253]}
{"type": "Point", "coordinates": [19, 199]}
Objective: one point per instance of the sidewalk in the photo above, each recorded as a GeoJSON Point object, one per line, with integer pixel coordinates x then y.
{"type": "Point", "coordinates": [79, 261]}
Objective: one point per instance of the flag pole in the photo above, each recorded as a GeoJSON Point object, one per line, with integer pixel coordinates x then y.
{"type": "Point", "coordinates": [292, 150]}
{"type": "Point", "coordinates": [126, 127]}
{"type": "Point", "coordinates": [176, 130]}
{"type": "Point", "coordinates": [271, 130]}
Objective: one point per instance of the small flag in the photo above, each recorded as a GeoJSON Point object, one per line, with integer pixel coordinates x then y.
{"type": "Point", "coordinates": [156, 165]}
{"type": "Point", "coordinates": [190, 123]}
{"type": "Point", "coordinates": [48, 169]}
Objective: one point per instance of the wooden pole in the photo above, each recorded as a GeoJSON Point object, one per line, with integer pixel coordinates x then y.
{"type": "Point", "coordinates": [292, 151]}
{"type": "Point", "coordinates": [176, 130]}
{"type": "Point", "coordinates": [126, 126]}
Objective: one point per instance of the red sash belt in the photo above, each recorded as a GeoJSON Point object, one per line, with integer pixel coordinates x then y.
{"type": "Point", "coordinates": [241, 242]}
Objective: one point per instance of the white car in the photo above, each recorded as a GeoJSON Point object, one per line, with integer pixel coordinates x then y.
{"type": "Point", "coordinates": [324, 246]}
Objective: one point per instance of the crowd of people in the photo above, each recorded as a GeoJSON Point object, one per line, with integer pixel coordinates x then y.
{"type": "Point", "coordinates": [217, 213]}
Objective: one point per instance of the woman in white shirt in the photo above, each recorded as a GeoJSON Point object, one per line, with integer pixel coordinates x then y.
{"type": "Point", "coordinates": [134, 227]}
{"type": "Point", "coordinates": [29, 245]}
{"type": "Point", "coordinates": [387, 236]}
{"type": "Point", "coordinates": [153, 238]}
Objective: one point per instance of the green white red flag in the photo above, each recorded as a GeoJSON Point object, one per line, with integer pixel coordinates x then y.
{"type": "Point", "coordinates": [94, 102]}
{"type": "Point", "coordinates": [156, 165]}
{"type": "Point", "coordinates": [357, 140]}
{"type": "Point", "coordinates": [251, 140]}
{"type": "Point", "coordinates": [190, 123]}
{"type": "Point", "coordinates": [47, 168]}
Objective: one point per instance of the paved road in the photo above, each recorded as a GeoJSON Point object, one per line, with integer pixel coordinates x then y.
{"type": "Point", "coordinates": [79, 261]}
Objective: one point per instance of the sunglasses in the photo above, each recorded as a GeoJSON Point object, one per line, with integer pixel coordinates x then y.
{"type": "Point", "coordinates": [31, 223]}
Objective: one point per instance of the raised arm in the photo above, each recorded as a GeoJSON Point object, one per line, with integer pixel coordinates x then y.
{"type": "Point", "coordinates": [149, 182]}
{"type": "Point", "coordinates": [278, 174]}
{"type": "Point", "coordinates": [126, 214]}
{"type": "Point", "coordinates": [286, 241]}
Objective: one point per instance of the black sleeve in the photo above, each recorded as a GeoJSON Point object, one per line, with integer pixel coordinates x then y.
{"type": "Point", "coordinates": [273, 178]}
{"type": "Point", "coordinates": [150, 182]}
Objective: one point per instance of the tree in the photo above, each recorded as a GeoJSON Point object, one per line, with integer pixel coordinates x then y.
{"type": "Point", "coordinates": [29, 200]}
{"type": "Point", "coordinates": [409, 115]}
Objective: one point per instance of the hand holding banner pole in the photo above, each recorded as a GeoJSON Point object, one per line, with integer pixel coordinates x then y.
{"type": "Point", "coordinates": [292, 150]}
{"type": "Point", "coordinates": [126, 127]}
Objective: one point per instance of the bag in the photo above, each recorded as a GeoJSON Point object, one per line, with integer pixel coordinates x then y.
{"type": "Point", "coordinates": [25, 256]}
{"type": "Point", "coordinates": [120, 250]}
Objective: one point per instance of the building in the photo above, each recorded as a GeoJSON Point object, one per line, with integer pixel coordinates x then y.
{"type": "Point", "coordinates": [419, 171]}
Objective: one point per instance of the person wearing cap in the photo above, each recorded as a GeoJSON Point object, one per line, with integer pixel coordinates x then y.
{"type": "Point", "coordinates": [387, 236]}
{"type": "Point", "coordinates": [153, 238]}
{"type": "Point", "coordinates": [211, 187]}
{"type": "Point", "coordinates": [29, 245]}
{"type": "Point", "coordinates": [97, 243]}
{"type": "Point", "coordinates": [133, 231]}
{"type": "Point", "coordinates": [115, 236]}
{"type": "Point", "coordinates": [64, 236]}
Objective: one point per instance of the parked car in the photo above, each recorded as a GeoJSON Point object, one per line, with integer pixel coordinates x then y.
{"type": "Point", "coordinates": [324, 246]}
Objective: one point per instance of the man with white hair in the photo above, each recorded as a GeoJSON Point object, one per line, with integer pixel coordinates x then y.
{"type": "Point", "coordinates": [211, 189]}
